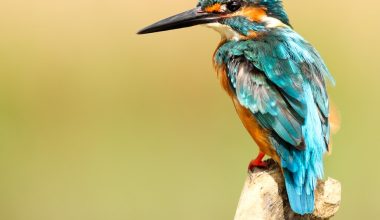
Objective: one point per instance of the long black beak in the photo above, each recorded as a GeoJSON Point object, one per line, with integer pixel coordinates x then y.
{"type": "Point", "coordinates": [186, 19]}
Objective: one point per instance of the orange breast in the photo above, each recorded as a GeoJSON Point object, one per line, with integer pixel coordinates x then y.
{"type": "Point", "coordinates": [258, 133]}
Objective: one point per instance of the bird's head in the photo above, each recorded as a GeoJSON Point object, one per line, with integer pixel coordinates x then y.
{"type": "Point", "coordinates": [234, 19]}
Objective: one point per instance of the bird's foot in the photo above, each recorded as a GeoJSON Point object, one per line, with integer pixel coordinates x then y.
{"type": "Point", "coordinates": [258, 162]}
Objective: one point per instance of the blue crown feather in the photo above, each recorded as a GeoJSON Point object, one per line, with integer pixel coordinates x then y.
{"type": "Point", "coordinates": [274, 7]}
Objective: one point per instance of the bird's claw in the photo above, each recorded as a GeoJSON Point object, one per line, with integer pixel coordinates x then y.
{"type": "Point", "coordinates": [256, 164]}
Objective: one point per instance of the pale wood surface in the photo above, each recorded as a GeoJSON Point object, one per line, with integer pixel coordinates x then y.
{"type": "Point", "coordinates": [264, 197]}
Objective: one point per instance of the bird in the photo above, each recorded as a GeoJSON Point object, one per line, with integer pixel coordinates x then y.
{"type": "Point", "coordinates": [277, 82]}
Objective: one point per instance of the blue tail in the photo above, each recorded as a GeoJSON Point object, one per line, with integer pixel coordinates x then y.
{"type": "Point", "coordinates": [303, 168]}
{"type": "Point", "coordinates": [301, 201]}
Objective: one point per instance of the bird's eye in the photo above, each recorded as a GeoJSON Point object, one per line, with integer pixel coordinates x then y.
{"type": "Point", "coordinates": [233, 6]}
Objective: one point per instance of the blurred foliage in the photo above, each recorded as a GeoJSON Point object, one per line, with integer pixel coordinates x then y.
{"type": "Point", "coordinates": [99, 123]}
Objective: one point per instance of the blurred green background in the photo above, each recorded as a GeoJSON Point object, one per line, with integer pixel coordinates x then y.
{"type": "Point", "coordinates": [99, 123]}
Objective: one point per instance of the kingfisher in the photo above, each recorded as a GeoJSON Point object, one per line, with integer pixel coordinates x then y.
{"type": "Point", "coordinates": [277, 82]}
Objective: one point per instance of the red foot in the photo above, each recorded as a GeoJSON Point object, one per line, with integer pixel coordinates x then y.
{"type": "Point", "coordinates": [257, 162]}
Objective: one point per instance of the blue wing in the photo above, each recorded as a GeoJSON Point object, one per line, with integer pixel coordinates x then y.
{"type": "Point", "coordinates": [264, 99]}
{"type": "Point", "coordinates": [280, 79]}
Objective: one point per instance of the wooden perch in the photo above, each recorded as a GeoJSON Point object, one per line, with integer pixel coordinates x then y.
{"type": "Point", "coordinates": [264, 197]}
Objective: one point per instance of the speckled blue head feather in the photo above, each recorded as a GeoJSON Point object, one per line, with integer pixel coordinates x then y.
{"type": "Point", "coordinates": [274, 8]}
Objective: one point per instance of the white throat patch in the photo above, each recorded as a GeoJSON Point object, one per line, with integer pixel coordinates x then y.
{"type": "Point", "coordinates": [230, 34]}
{"type": "Point", "coordinates": [271, 22]}
{"type": "Point", "coordinates": [227, 32]}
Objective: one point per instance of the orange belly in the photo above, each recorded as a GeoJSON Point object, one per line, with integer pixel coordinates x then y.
{"type": "Point", "coordinates": [258, 133]}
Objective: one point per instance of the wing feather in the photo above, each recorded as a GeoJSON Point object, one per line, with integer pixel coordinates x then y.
{"type": "Point", "coordinates": [255, 92]}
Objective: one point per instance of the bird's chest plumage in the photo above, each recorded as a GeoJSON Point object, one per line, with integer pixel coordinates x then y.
{"type": "Point", "coordinates": [259, 134]}
{"type": "Point", "coordinates": [223, 79]}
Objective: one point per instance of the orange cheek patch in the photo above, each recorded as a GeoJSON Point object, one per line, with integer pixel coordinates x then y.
{"type": "Point", "coordinates": [213, 8]}
{"type": "Point", "coordinates": [252, 13]}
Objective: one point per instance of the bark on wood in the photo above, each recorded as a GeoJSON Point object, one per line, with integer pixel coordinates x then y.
{"type": "Point", "coordinates": [264, 197]}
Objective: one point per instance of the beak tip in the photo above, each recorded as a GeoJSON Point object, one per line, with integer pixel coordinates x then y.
{"type": "Point", "coordinates": [186, 19]}
{"type": "Point", "coordinates": [141, 32]}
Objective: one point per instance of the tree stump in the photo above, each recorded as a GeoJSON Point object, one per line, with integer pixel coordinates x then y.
{"type": "Point", "coordinates": [264, 197]}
